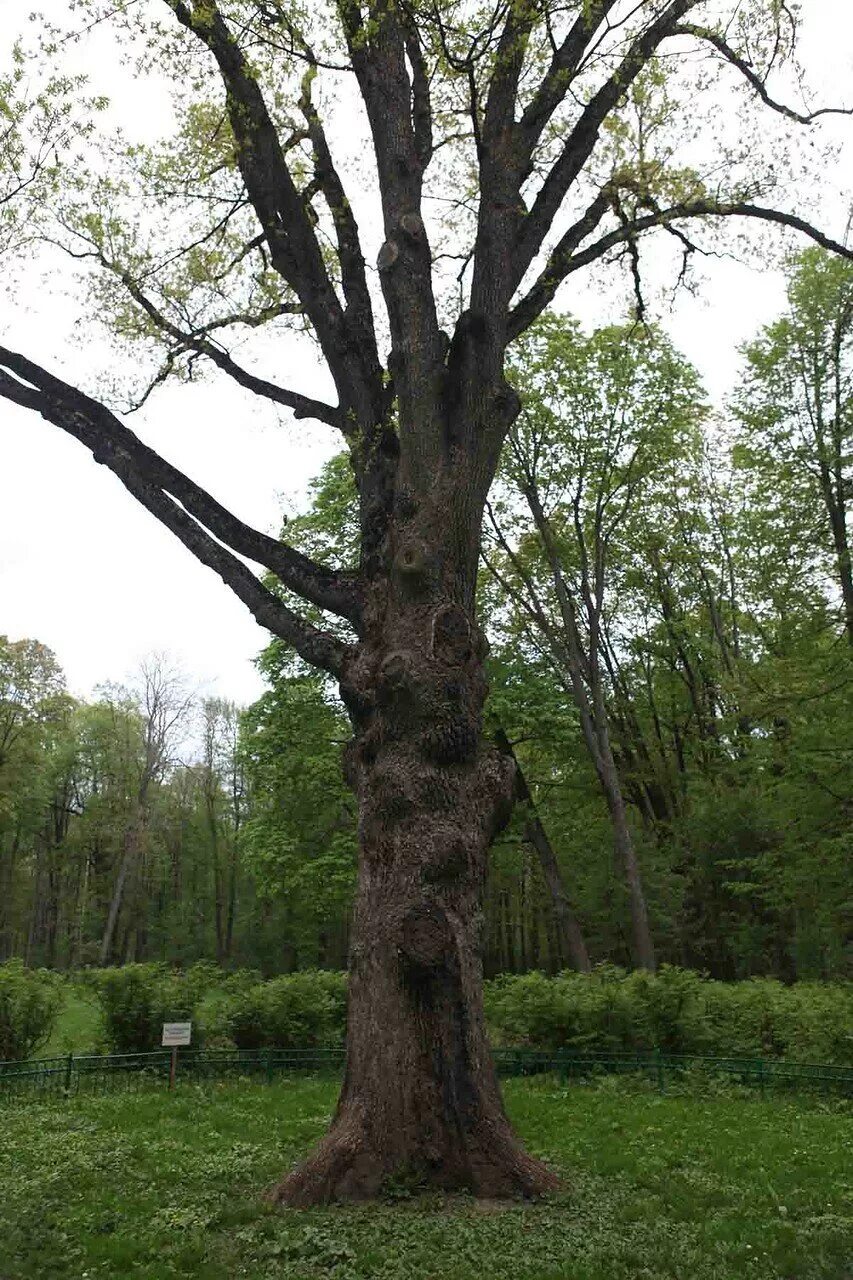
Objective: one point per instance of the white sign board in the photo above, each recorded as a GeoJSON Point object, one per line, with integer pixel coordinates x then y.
{"type": "Point", "coordinates": [176, 1033]}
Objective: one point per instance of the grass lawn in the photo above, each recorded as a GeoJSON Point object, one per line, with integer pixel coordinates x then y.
{"type": "Point", "coordinates": [657, 1188]}
{"type": "Point", "coordinates": [79, 1026]}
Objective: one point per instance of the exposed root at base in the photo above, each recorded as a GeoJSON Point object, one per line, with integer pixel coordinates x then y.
{"type": "Point", "coordinates": [344, 1168]}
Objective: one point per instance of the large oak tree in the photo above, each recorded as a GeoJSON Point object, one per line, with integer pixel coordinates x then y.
{"type": "Point", "coordinates": [514, 143]}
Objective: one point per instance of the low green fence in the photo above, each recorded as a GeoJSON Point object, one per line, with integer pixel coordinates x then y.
{"type": "Point", "coordinates": [127, 1072]}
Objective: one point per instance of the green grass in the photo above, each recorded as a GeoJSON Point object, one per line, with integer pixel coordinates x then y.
{"type": "Point", "coordinates": [657, 1188]}
{"type": "Point", "coordinates": [79, 1027]}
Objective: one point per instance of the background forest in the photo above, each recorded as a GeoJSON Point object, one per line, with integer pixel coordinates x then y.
{"type": "Point", "coordinates": [669, 599]}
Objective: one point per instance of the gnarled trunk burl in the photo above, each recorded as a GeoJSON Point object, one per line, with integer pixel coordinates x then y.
{"type": "Point", "coordinates": [420, 1098]}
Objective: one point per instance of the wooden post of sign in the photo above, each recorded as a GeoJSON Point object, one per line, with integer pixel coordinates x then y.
{"type": "Point", "coordinates": [174, 1034]}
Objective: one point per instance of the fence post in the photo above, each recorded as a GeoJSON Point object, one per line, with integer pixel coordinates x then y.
{"type": "Point", "coordinates": [761, 1076]}
{"type": "Point", "coordinates": [659, 1065]}
{"type": "Point", "coordinates": [69, 1067]}
{"type": "Point", "coordinates": [269, 1066]}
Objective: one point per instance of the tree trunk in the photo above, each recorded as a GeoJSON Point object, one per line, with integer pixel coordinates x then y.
{"type": "Point", "coordinates": [128, 857]}
{"type": "Point", "coordinates": [582, 676]}
{"type": "Point", "coordinates": [626, 855]}
{"type": "Point", "coordinates": [420, 1098]}
{"type": "Point", "coordinates": [838, 521]}
{"type": "Point", "coordinates": [8, 898]}
{"type": "Point", "coordinates": [571, 938]}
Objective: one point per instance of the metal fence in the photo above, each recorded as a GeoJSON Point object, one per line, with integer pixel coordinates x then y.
{"type": "Point", "coordinates": [130, 1072]}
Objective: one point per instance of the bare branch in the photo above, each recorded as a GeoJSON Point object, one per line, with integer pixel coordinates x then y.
{"type": "Point", "coordinates": [197, 340]}
{"type": "Point", "coordinates": [563, 261]}
{"type": "Point", "coordinates": [294, 247]}
{"type": "Point", "coordinates": [758, 84]}
{"type": "Point", "coordinates": [112, 444]}
{"type": "Point", "coordinates": [353, 274]}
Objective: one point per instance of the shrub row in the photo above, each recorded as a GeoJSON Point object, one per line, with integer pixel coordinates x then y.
{"type": "Point", "coordinates": [676, 1011]}
{"type": "Point", "coordinates": [607, 1011]}
{"type": "Point", "coordinates": [299, 1010]}
{"type": "Point", "coordinates": [137, 999]}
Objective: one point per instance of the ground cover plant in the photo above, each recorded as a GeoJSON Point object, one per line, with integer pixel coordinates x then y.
{"type": "Point", "coordinates": [710, 1187]}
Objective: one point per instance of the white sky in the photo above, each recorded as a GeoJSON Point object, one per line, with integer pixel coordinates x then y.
{"type": "Point", "coordinates": [88, 572]}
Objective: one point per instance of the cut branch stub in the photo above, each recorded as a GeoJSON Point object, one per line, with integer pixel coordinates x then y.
{"type": "Point", "coordinates": [388, 255]}
{"type": "Point", "coordinates": [452, 635]}
{"type": "Point", "coordinates": [412, 571]}
{"type": "Point", "coordinates": [413, 225]}
{"type": "Point", "coordinates": [395, 678]}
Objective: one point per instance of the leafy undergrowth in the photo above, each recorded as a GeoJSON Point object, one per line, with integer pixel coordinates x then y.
{"type": "Point", "coordinates": [657, 1188]}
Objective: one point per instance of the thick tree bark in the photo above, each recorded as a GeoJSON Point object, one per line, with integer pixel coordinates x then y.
{"type": "Point", "coordinates": [420, 1098]}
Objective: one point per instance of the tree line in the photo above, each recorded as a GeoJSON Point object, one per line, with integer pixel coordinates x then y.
{"type": "Point", "coordinates": [668, 596]}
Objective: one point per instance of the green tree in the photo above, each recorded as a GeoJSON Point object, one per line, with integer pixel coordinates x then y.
{"type": "Point", "coordinates": [607, 422]}
{"type": "Point", "coordinates": [795, 409]}
{"type": "Point", "coordinates": [300, 839]}
{"type": "Point", "coordinates": [563, 141]}
{"type": "Point", "coordinates": [34, 712]}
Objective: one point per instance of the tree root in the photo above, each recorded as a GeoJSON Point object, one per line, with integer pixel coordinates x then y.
{"type": "Point", "coordinates": [346, 1167]}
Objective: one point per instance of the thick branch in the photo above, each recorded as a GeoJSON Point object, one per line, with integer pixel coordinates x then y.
{"type": "Point", "coordinates": [566, 60]}
{"type": "Point", "coordinates": [112, 444]}
{"type": "Point", "coordinates": [319, 648]}
{"type": "Point", "coordinates": [564, 261]}
{"type": "Point", "coordinates": [294, 247]}
{"type": "Point", "coordinates": [584, 136]}
{"type": "Point", "coordinates": [421, 96]}
{"type": "Point", "coordinates": [378, 52]}
{"type": "Point", "coordinates": [501, 208]}
{"type": "Point", "coordinates": [543, 290]}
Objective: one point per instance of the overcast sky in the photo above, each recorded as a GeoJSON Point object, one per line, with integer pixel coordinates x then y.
{"type": "Point", "coordinates": [88, 572]}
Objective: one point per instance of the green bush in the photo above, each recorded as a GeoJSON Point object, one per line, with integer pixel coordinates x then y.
{"type": "Point", "coordinates": [676, 1011]}
{"type": "Point", "coordinates": [665, 1008]}
{"type": "Point", "coordinates": [300, 1010]}
{"type": "Point", "coordinates": [30, 1000]}
{"type": "Point", "coordinates": [215, 1005]}
{"type": "Point", "coordinates": [138, 998]}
